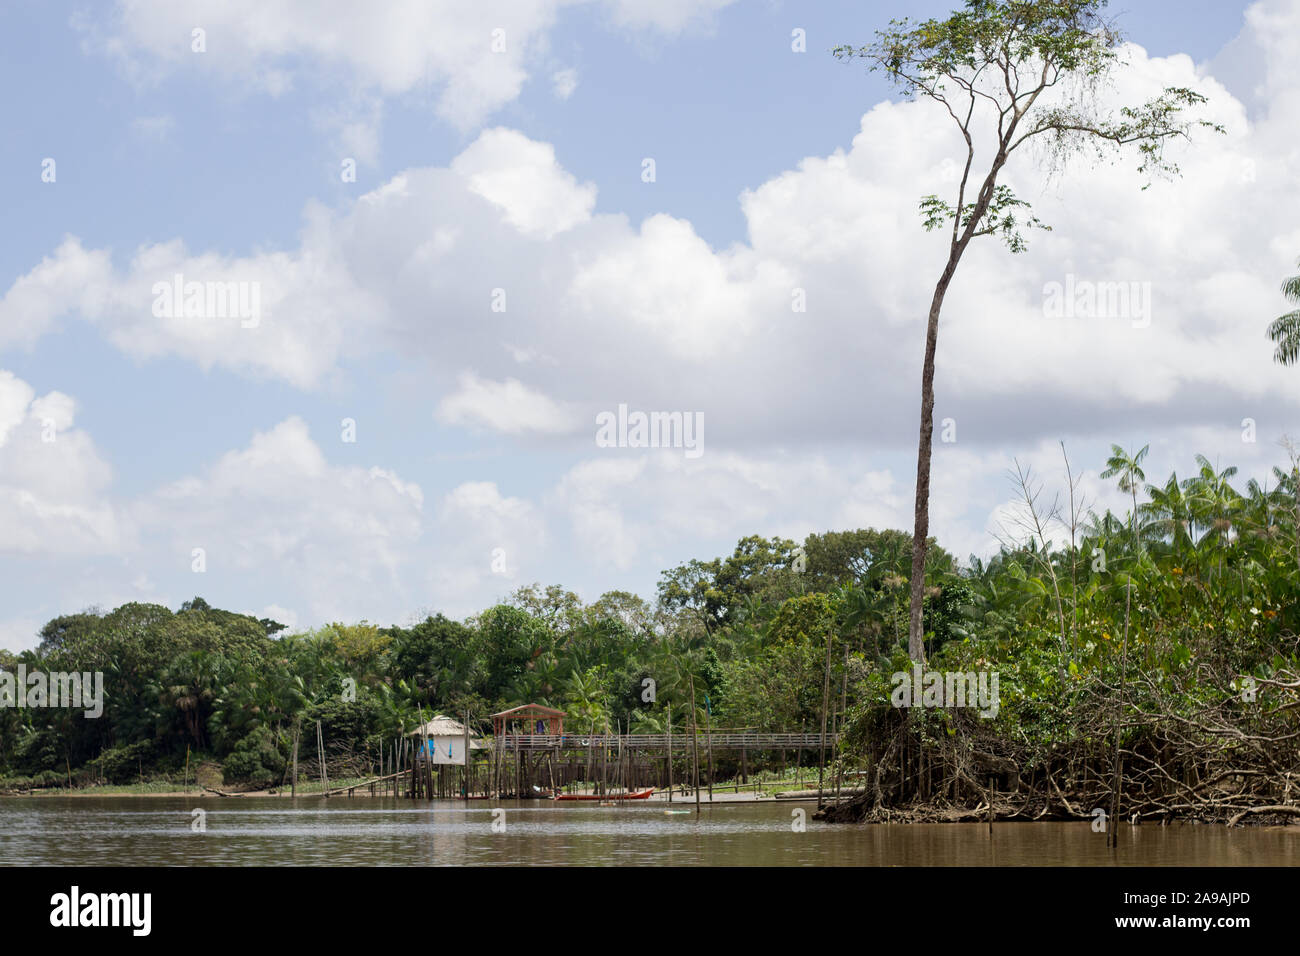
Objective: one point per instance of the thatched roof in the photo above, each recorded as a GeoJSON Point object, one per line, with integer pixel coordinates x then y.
{"type": "Point", "coordinates": [441, 727]}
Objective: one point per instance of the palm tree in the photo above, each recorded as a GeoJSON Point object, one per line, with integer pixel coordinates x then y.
{"type": "Point", "coordinates": [1285, 330]}
{"type": "Point", "coordinates": [541, 682]}
{"type": "Point", "coordinates": [1259, 509]}
{"type": "Point", "coordinates": [190, 684]}
{"type": "Point", "coordinates": [1214, 504]}
{"type": "Point", "coordinates": [587, 702]}
{"type": "Point", "coordinates": [753, 609]}
{"type": "Point", "coordinates": [749, 636]}
{"type": "Point", "coordinates": [860, 615]}
{"type": "Point", "coordinates": [1170, 511]}
{"type": "Point", "coordinates": [397, 707]}
{"type": "Point", "coordinates": [1288, 491]}
{"type": "Point", "coordinates": [1128, 469]}
{"type": "Point", "coordinates": [674, 659]}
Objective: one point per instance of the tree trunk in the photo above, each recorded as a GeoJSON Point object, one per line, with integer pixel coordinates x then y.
{"type": "Point", "coordinates": [921, 529]}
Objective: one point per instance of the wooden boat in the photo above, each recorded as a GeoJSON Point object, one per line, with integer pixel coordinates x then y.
{"type": "Point", "coordinates": [611, 797]}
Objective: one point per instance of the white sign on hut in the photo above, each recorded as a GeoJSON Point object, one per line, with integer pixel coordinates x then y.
{"type": "Point", "coordinates": [442, 741]}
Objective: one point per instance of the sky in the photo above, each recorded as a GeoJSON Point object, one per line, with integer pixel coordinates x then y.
{"type": "Point", "coordinates": [448, 259]}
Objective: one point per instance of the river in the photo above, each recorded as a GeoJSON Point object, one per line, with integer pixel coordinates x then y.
{"type": "Point", "coordinates": [380, 831]}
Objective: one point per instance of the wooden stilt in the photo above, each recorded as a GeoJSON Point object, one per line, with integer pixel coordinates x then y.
{"type": "Point", "coordinates": [826, 699]}
{"type": "Point", "coordinates": [670, 754]}
{"type": "Point", "coordinates": [695, 747]}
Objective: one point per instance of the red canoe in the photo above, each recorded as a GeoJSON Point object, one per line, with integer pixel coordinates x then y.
{"type": "Point", "coordinates": [608, 796]}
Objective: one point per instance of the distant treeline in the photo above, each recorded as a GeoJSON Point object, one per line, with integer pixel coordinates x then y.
{"type": "Point", "coordinates": [1100, 626]}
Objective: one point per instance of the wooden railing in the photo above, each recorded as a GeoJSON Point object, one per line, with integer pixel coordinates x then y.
{"type": "Point", "coordinates": [660, 742]}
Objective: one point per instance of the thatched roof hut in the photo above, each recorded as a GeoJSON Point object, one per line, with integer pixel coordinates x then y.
{"type": "Point", "coordinates": [442, 741]}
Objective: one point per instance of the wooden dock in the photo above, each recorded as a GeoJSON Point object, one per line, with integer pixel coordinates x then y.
{"type": "Point", "coordinates": [659, 743]}
{"type": "Point", "coordinates": [538, 765]}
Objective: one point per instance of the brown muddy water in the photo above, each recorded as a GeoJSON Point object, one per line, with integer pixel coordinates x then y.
{"type": "Point", "coordinates": [161, 831]}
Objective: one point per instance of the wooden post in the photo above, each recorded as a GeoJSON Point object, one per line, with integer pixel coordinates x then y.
{"type": "Point", "coordinates": [826, 703]}
{"type": "Point", "coordinates": [501, 754]}
{"type": "Point", "coordinates": [591, 735]}
{"type": "Point", "coordinates": [604, 762]}
{"type": "Point", "coordinates": [418, 764]}
{"type": "Point", "coordinates": [798, 756]}
{"type": "Point", "coordinates": [844, 705]}
{"type": "Point", "coordinates": [466, 773]}
{"type": "Point", "coordinates": [670, 753]}
{"type": "Point", "coordinates": [695, 745]}
{"type": "Point", "coordinates": [618, 756]}
{"type": "Point", "coordinates": [708, 736]}
{"type": "Point", "coordinates": [622, 770]}
{"type": "Point", "coordinates": [297, 729]}
{"type": "Point", "coordinates": [320, 755]}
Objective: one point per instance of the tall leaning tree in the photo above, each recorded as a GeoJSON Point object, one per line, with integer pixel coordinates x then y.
{"type": "Point", "coordinates": [1012, 74]}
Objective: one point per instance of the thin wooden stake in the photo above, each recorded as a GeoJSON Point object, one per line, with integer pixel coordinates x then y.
{"type": "Point", "coordinates": [826, 703]}
{"type": "Point", "coordinates": [708, 737]}
{"type": "Point", "coordinates": [670, 753]}
{"type": "Point", "coordinates": [320, 750]}
{"type": "Point", "coordinates": [695, 742]}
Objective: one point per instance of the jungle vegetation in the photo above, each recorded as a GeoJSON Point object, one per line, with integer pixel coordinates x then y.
{"type": "Point", "coordinates": [1150, 656]}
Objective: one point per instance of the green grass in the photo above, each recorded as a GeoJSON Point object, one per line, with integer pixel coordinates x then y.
{"type": "Point", "coordinates": [153, 786]}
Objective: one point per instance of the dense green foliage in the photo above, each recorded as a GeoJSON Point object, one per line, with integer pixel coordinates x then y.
{"type": "Point", "coordinates": [1208, 578]}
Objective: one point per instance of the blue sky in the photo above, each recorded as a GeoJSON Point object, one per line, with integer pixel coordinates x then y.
{"type": "Point", "coordinates": [235, 154]}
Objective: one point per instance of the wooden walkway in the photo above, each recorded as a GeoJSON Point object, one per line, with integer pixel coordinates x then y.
{"type": "Point", "coordinates": [659, 743]}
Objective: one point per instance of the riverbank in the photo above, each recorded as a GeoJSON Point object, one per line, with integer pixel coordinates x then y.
{"type": "Point", "coordinates": [848, 806]}
{"type": "Point", "coordinates": [780, 790]}
{"type": "Point", "coordinates": [834, 812]}
{"type": "Point", "coordinates": [171, 789]}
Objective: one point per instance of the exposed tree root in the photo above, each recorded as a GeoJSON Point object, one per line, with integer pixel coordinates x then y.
{"type": "Point", "coordinates": [1224, 762]}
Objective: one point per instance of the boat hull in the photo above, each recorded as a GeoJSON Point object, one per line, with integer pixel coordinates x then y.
{"type": "Point", "coordinates": [642, 795]}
